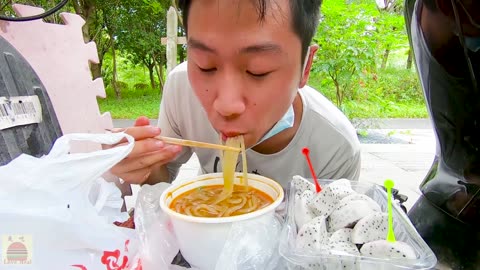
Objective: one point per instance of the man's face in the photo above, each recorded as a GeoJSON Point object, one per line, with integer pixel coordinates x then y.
{"type": "Point", "coordinates": [245, 72]}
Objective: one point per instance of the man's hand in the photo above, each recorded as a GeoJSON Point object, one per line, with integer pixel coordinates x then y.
{"type": "Point", "coordinates": [147, 152]}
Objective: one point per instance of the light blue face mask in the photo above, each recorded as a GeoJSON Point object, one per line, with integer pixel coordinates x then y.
{"type": "Point", "coordinates": [472, 43]}
{"type": "Point", "coordinates": [287, 121]}
{"type": "Point", "coordinates": [288, 118]}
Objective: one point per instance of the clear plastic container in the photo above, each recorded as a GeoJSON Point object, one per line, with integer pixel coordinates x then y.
{"type": "Point", "coordinates": [403, 228]}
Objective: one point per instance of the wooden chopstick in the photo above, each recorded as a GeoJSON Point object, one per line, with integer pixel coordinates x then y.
{"type": "Point", "coordinates": [196, 144]}
{"type": "Point", "coordinates": [186, 142]}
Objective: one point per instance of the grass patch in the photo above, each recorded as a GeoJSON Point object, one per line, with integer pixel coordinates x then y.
{"type": "Point", "coordinates": [354, 109]}
{"type": "Point", "coordinates": [134, 103]}
{"type": "Point", "coordinates": [137, 96]}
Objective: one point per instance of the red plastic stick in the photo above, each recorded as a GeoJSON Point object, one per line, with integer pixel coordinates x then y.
{"type": "Point", "coordinates": [306, 152]}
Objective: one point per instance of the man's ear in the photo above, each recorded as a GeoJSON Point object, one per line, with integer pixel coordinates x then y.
{"type": "Point", "coordinates": [308, 65]}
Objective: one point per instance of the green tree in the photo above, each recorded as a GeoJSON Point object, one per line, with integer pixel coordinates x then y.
{"type": "Point", "coordinates": [391, 27]}
{"type": "Point", "coordinates": [347, 41]}
{"type": "Point", "coordinates": [140, 26]}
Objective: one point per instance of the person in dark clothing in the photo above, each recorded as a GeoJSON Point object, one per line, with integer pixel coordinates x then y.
{"type": "Point", "coordinates": [445, 38]}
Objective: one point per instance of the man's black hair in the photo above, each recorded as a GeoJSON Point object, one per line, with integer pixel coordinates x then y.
{"type": "Point", "coordinates": [305, 17]}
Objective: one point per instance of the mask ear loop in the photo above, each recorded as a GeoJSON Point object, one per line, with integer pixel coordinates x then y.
{"type": "Point", "coordinates": [305, 61]}
{"type": "Point", "coordinates": [462, 42]}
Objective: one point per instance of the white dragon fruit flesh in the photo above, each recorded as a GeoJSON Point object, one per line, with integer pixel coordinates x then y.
{"type": "Point", "coordinates": [342, 235]}
{"type": "Point", "coordinates": [370, 228]}
{"type": "Point", "coordinates": [356, 197]}
{"type": "Point", "coordinates": [313, 235]}
{"type": "Point", "coordinates": [386, 249]}
{"type": "Point", "coordinates": [325, 201]}
{"type": "Point", "coordinates": [301, 184]}
{"type": "Point", "coordinates": [348, 215]}
{"type": "Point", "coordinates": [340, 249]}
{"type": "Point", "coordinates": [303, 213]}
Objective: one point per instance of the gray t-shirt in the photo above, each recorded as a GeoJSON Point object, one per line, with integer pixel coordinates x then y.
{"type": "Point", "coordinates": [331, 138]}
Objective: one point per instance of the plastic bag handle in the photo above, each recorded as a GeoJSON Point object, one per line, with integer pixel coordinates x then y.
{"type": "Point", "coordinates": [62, 145]}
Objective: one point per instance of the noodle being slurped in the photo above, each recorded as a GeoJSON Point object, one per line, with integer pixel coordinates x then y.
{"type": "Point", "coordinates": [229, 163]}
{"type": "Point", "coordinates": [227, 200]}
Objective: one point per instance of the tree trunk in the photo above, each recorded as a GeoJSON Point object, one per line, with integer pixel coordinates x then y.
{"type": "Point", "coordinates": [103, 46]}
{"type": "Point", "coordinates": [385, 58]}
{"type": "Point", "coordinates": [86, 10]}
{"type": "Point", "coordinates": [118, 93]}
{"type": "Point", "coordinates": [151, 73]}
{"type": "Point", "coordinates": [160, 67]}
{"type": "Point", "coordinates": [96, 70]}
{"type": "Point", "coordinates": [409, 59]}
{"type": "Point", "coordinates": [158, 70]}
{"type": "Point", "coordinates": [339, 93]}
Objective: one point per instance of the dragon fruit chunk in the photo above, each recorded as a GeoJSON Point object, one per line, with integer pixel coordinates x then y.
{"type": "Point", "coordinates": [342, 235]}
{"type": "Point", "coordinates": [342, 250]}
{"type": "Point", "coordinates": [370, 228]}
{"type": "Point", "coordinates": [307, 195]}
{"type": "Point", "coordinates": [348, 215]}
{"type": "Point", "coordinates": [313, 235]}
{"type": "Point", "coordinates": [340, 247]}
{"type": "Point", "coordinates": [357, 196]}
{"type": "Point", "coordinates": [303, 213]}
{"type": "Point", "coordinates": [341, 188]}
{"type": "Point", "coordinates": [385, 249]}
{"type": "Point", "coordinates": [301, 184]}
{"type": "Point", "coordinates": [326, 200]}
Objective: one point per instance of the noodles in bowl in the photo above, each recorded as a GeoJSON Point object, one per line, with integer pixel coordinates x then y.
{"type": "Point", "coordinates": [224, 200]}
{"type": "Point", "coordinates": [201, 202]}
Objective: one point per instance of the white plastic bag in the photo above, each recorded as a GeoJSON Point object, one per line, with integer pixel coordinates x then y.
{"type": "Point", "coordinates": [56, 212]}
{"type": "Point", "coordinates": [158, 243]}
{"type": "Point", "coordinates": [251, 245]}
